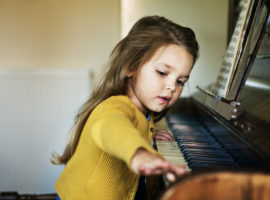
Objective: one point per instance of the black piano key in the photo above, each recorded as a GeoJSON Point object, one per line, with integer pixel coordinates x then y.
{"type": "Point", "coordinates": [213, 162]}
{"type": "Point", "coordinates": [217, 130]}
{"type": "Point", "coordinates": [210, 159]}
{"type": "Point", "coordinates": [196, 141]}
{"type": "Point", "coordinates": [196, 150]}
{"type": "Point", "coordinates": [225, 157]}
{"type": "Point", "coordinates": [202, 164]}
{"type": "Point", "coordinates": [190, 132]}
{"type": "Point", "coordinates": [194, 137]}
{"type": "Point", "coordinates": [186, 128]}
{"type": "Point", "coordinates": [186, 119]}
{"type": "Point", "coordinates": [206, 140]}
{"type": "Point", "coordinates": [201, 146]}
{"type": "Point", "coordinates": [212, 154]}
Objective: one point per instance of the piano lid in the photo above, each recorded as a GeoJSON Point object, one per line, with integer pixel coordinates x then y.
{"type": "Point", "coordinates": [255, 97]}
{"type": "Point", "coordinates": [254, 111]}
{"type": "Point", "coordinates": [248, 116]}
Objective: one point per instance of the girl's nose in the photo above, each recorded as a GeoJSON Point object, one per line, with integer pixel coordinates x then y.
{"type": "Point", "coordinates": [170, 85]}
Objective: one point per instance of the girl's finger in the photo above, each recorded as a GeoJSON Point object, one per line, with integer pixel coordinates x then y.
{"type": "Point", "coordinates": [170, 177]}
{"type": "Point", "coordinates": [178, 170]}
{"type": "Point", "coordinates": [161, 137]}
{"type": "Point", "coordinates": [161, 130]}
{"type": "Point", "coordinates": [164, 135]}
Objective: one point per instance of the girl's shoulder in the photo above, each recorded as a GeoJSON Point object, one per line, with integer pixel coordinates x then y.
{"type": "Point", "coordinates": [117, 100]}
{"type": "Point", "coordinates": [115, 105]}
{"type": "Point", "coordinates": [119, 103]}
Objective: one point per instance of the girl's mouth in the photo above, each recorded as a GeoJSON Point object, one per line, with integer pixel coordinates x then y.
{"type": "Point", "coordinates": [165, 100]}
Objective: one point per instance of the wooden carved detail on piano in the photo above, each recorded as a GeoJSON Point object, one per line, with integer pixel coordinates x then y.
{"type": "Point", "coordinates": [222, 185]}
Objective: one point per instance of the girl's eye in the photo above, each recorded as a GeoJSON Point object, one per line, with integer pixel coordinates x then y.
{"type": "Point", "coordinates": [161, 73]}
{"type": "Point", "coordinates": [181, 83]}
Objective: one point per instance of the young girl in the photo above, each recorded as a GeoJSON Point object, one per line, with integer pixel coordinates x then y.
{"type": "Point", "coordinates": [110, 147]}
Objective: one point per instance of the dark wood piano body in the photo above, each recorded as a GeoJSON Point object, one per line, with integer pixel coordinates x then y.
{"type": "Point", "coordinates": [249, 129]}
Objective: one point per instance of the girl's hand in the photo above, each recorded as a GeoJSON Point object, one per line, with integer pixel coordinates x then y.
{"type": "Point", "coordinates": [146, 163]}
{"type": "Point", "coordinates": [163, 134]}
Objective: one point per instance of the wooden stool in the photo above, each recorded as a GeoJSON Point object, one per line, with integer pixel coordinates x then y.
{"type": "Point", "coordinates": [224, 185]}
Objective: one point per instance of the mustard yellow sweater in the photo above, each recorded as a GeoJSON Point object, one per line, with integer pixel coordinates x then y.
{"type": "Point", "coordinates": [100, 167]}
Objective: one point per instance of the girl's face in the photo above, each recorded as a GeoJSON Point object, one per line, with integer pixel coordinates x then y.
{"type": "Point", "coordinates": [159, 82]}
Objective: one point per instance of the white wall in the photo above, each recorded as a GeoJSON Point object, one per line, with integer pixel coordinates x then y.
{"type": "Point", "coordinates": [57, 33]}
{"type": "Point", "coordinates": [37, 108]}
{"type": "Point", "coordinates": [208, 19]}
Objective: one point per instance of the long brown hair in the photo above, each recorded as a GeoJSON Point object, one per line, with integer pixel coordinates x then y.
{"type": "Point", "coordinates": [145, 37]}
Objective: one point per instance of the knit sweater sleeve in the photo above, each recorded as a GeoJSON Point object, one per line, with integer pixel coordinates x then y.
{"type": "Point", "coordinates": [114, 131]}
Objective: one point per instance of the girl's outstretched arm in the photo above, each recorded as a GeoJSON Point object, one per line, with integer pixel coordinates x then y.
{"type": "Point", "coordinates": [146, 163]}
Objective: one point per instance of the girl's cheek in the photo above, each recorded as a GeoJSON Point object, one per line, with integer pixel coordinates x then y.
{"type": "Point", "coordinates": [174, 99]}
{"type": "Point", "coordinates": [178, 93]}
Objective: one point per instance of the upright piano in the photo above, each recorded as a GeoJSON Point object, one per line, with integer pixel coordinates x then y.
{"type": "Point", "coordinates": [221, 134]}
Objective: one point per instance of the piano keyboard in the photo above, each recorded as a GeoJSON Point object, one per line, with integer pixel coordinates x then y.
{"type": "Point", "coordinates": [170, 152]}
{"type": "Point", "coordinates": [200, 147]}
